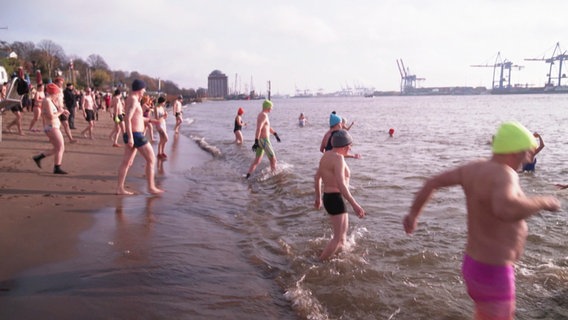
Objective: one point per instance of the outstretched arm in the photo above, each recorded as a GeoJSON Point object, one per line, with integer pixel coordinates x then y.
{"type": "Point", "coordinates": [445, 179]}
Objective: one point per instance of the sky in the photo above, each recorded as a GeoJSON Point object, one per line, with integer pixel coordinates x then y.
{"type": "Point", "coordinates": [300, 45]}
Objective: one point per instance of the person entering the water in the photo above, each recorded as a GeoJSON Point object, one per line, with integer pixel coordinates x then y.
{"type": "Point", "coordinates": [496, 213]}
{"type": "Point", "coordinates": [335, 174]}
{"type": "Point", "coordinates": [335, 124]}
{"type": "Point", "coordinates": [239, 126]}
{"type": "Point", "coordinates": [530, 165]}
{"type": "Point", "coordinates": [262, 139]}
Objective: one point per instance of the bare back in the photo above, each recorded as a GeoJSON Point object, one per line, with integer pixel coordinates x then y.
{"type": "Point", "coordinates": [492, 238]}
{"type": "Point", "coordinates": [330, 163]}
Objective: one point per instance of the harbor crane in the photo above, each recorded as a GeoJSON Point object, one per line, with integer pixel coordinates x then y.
{"type": "Point", "coordinates": [557, 55]}
{"type": "Point", "coordinates": [407, 80]}
{"type": "Point", "coordinates": [504, 66]}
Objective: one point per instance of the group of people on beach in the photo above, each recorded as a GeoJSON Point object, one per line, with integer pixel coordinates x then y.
{"type": "Point", "coordinates": [496, 205]}
{"type": "Point", "coordinates": [133, 120]}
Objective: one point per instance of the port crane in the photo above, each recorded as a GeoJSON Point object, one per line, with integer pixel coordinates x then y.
{"type": "Point", "coordinates": [557, 55]}
{"type": "Point", "coordinates": [407, 80]}
{"type": "Point", "coordinates": [504, 66]}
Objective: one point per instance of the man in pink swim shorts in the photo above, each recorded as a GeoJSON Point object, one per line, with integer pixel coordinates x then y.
{"type": "Point", "coordinates": [496, 213]}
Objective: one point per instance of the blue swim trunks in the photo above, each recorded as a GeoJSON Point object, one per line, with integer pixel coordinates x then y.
{"type": "Point", "coordinates": [139, 139]}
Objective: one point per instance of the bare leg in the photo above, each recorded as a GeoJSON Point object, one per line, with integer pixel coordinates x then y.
{"type": "Point", "coordinates": [254, 164]}
{"type": "Point", "coordinates": [272, 163]}
{"type": "Point", "coordinates": [148, 153]}
{"type": "Point", "coordinates": [129, 154]}
{"type": "Point", "coordinates": [238, 137]}
{"type": "Point", "coordinates": [339, 224]}
{"type": "Point", "coordinates": [65, 125]}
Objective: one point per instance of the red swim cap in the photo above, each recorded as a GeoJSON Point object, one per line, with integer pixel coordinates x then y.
{"type": "Point", "coordinates": [241, 111]}
{"type": "Point", "coordinates": [52, 88]}
{"type": "Point", "coordinates": [391, 131]}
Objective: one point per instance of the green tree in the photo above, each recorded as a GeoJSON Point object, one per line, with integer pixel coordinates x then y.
{"type": "Point", "coordinates": [100, 78]}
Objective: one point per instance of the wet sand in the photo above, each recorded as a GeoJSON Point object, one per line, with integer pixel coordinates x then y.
{"type": "Point", "coordinates": [42, 214]}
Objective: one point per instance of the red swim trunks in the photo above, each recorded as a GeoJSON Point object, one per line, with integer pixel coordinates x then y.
{"type": "Point", "coordinates": [491, 287]}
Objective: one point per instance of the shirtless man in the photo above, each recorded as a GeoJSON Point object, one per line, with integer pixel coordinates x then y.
{"type": "Point", "coordinates": [496, 213]}
{"type": "Point", "coordinates": [262, 139]}
{"type": "Point", "coordinates": [178, 113]}
{"type": "Point", "coordinates": [335, 174]}
{"type": "Point", "coordinates": [89, 106]}
{"type": "Point", "coordinates": [134, 140]}
{"type": "Point", "coordinates": [117, 110]}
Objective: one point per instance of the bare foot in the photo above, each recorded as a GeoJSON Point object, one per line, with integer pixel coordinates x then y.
{"type": "Point", "coordinates": [155, 191]}
{"type": "Point", "coordinates": [124, 192]}
{"type": "Point", "coordinates": [73, 141]}
{"type": "Point", "coordinates": [116, 145]}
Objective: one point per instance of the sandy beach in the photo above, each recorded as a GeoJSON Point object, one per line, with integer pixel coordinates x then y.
{"type": "Point", "coordinates": [43, 213]}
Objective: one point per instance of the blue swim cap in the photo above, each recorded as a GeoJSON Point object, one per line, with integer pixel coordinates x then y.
{"type": "Point", "coordinates": [334, 119]}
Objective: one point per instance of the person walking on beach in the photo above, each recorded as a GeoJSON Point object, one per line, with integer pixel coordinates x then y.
{"type": "Point", "coordinates": [178, 113]}
{"type": "Point", "coordinates": [335, 174]}
{"type": "Point", "coordinates": [69, 99]}
{"type": "Point", "coordinates": [148, 112]}
{"type": "Point", "coordinates": [262, 139]}
{"type": "Point", "coordinates": [530, 164]}
{"type": "Point", "coordinates": [64, 117]}
{"type": "Point", "coordinates": [36, 106]}
{"type": "Point", "coordinates": [117, 112]}
{"type": "Point", "coordinates": [88, 103]}
{"type": "Point", "coordinates": [134, 140]}
{"type": "Point", "coordinates": [239, 126]}
{"type": "Point", "coordinates": [50, 114]}
{"type": "Point", "coordinates": [161, 116]}
{"type": "Point", "coordinates": [496, 213]}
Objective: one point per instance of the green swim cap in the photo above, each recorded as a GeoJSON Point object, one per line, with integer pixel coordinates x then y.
{"type": "Point", "coordinates": [267, 104]}
{"type": "Point", "coordinates": [512, 137]}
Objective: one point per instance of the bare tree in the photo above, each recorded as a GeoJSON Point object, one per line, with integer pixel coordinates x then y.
{"type": "Point", "coordinates": [97, 62]}
{"type": "Point", "coordinates": [24, 50]}
{"type": "Point", "coordinates": [53, 55]}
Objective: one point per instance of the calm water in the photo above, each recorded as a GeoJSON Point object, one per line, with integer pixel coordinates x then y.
{"type": "Point", "coordinates": [219, 246]}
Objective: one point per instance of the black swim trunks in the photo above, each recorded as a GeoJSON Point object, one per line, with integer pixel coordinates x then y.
{"type": "Point", "coordinates": [333, 203]}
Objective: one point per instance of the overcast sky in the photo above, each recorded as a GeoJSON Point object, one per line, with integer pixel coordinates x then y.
{"type": "Point", "coordinates": [300, 44]}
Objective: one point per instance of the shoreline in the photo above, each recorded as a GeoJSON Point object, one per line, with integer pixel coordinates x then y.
{"type": "Point", "coordinates": [43, 214]}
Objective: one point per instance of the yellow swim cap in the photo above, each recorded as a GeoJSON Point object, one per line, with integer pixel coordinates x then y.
{"type": "Point", "coordinates": [267, 104]}
{"type": "Point", "coordinates": [512, 137]}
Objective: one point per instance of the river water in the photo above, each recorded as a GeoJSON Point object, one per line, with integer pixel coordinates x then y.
{"type": "Point", "coordinates": [217, 246]}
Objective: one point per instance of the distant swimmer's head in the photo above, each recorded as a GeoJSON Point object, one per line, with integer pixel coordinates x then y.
{"type": "Point", "coordinates": [334, 120]}
{"type": "Point", "coordinates": [341, 138]}
{"type": "Point", "coordinates": [138, 85]}
{"type": "Point", "coordinates": [266, 105]}
{"type": "Point", "coordinates": [241, 111]}
{"type": "Point", "coordinates": [513, 137]}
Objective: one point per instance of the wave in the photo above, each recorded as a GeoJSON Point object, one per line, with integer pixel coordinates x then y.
{"type": "Point", "coordinates": [213, 150]}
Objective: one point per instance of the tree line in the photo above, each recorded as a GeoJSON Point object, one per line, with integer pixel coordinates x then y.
{"type": "Point", "coordinates": [50, 59]}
